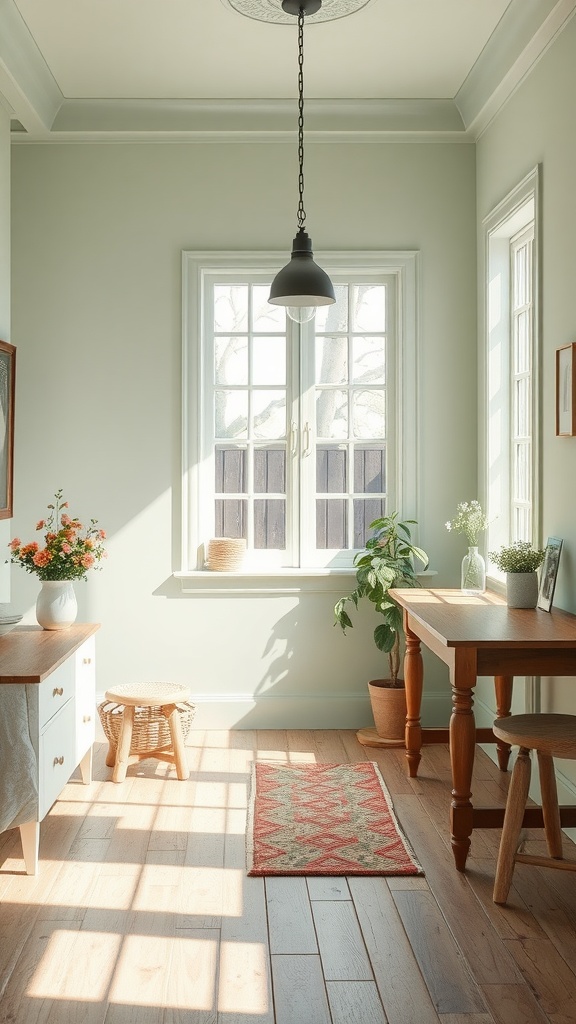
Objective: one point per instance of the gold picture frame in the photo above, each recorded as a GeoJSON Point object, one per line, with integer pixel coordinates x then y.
{"type": "Point", "coordinates": [566, 391]}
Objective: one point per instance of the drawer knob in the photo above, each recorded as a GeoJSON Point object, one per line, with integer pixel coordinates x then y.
{"type": "Point", "coordinates": [59, 760]}
{"type": "Point", "coordinates": [57, 691]}
{"type": "Point", "coordinates": [87, 661]}
{"type": "Point", "coordinates": [87, 718]}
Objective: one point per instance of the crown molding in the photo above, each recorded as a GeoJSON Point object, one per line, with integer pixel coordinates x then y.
{"type": "Point", "coordinates": [25, 79]}
{"type": "Point", "coordinates": [32, 96]}
{"type": "Point", "coordinates": [524, 33]}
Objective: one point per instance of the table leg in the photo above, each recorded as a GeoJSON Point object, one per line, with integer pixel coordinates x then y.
{"type": "Point", "coordinates": [413, 678]}
{"type": "Point", "coordinates": [503, 689]}
{"type": "Point", "coordinates": [30, 839]}
{"type": "Point", "coordinates": [462, 743]}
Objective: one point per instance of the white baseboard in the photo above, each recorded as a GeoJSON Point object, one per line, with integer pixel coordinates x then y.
{"type": "Point", "coordinates": [296, 711]}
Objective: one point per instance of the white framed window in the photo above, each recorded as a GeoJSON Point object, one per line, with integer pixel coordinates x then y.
{"type": "Point", "coordinates": [296, 437]}
{"type": "Point", "coordinates": [512, 363]}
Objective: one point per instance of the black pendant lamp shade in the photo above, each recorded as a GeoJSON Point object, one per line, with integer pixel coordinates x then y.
{"type": "Point", "coordinates": [301, 285]}
{"type": "Point", "coordinates": [302, 282]}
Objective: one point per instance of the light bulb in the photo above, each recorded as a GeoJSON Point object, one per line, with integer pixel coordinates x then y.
{"type": "Point", "coordinates": [301, 314]}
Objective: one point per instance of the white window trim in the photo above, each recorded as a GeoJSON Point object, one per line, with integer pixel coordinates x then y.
{"type": "Point", "coordinates": [404, 267]}
{"type": "Point", "coordinates": [499, 227]}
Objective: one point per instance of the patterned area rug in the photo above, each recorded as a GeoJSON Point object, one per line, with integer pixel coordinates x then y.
{"type": "Point", "coordinates": [324, 819]}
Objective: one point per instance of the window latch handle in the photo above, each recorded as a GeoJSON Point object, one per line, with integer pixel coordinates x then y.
{"type": "Point", "coordinates": [293, 438]}
{"type": "Point", "coordinates": [306, 449]}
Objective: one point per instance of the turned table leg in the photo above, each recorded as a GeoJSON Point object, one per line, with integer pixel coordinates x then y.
{"type": "Point", "coordinates": [413, 678]}
{"type": "Point", "coordinates": [462, 743]}
{"type": "Point", "coordinates": [503, 689]}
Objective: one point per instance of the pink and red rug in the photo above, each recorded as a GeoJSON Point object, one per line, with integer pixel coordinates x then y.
{"type": "Point", "coordinates": [324, 819]}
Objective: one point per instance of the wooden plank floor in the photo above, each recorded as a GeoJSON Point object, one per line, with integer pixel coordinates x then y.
{"type": "Point", "coordinates": [142, 912]}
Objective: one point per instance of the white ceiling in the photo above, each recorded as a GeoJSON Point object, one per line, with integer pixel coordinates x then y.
{"type": "Point", "coordinates": [70, 66]}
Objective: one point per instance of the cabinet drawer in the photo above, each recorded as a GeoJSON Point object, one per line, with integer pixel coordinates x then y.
{"type": "Point", "coordinates": [55, 691]}
{"type": "Point", "coordinates": [57, 757]}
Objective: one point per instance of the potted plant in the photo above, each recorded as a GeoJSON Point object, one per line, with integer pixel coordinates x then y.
{"type": "Point", "coordinates": [519, 561]}
{"type": "Point", "coordinates": [470, 520]}
{"type": "Point", "coordinates": [387, 561]}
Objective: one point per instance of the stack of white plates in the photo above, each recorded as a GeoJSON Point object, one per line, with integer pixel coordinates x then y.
{"type": "Point", "coordinates": [8, 618]}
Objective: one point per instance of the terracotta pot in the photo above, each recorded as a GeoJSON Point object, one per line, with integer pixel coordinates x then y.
{"type": "Point", "coordinates": [389, 709]}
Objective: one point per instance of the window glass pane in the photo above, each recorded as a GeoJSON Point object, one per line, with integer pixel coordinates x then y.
{"type": "Point", "coordinates": [264, 316]}
{"type": "Point", "coordinates": [368, 307]}
{"type": "Point", "coordinates": [368, 360]}
{"type": "Point", "coordinates": [331, 360]}
{"type": "Point", "coordinates": [231, 413]}
{"type": "Point", "coordinates": [229, 518]}
{"type": "Point", "coordinates": [521, 472]}
{"type": "Point", "coordinates": [368, 414]}
{"type": "Point", "coordinates": [270, 471]}
{"type": "Point", "coordinates": [331, 523]}
{"type": "Point", "coordinates": [522, 342]}
{"type": "Point", "coordinates": [521, 293]}
{"type": "Point", "coordinates": [270, 524]}
{"type": "Point", "coordinates": [230, 470]}
{"type": "Point", "coordinates": [365, 512]}
{"type": "Point", "coordinates": [521, 407]}
{"type": "Point", "coordinates": [269, 360]}
{"type": "Point", "coordinates": [332, 414]}
{"type": "Point", "coordinates": [231, 360]}
{"type": "Point", "coordinates": [369, 470]}
{"type": "Point", "coordinates": [331, 470]}
{"type": "Point", "coordinates": [334, 317]}
{"type": "Point", "coordinates": [230, 307]}
{"type": "Point", "coordinates": [522, 523]}
{"type": "Point", "coordinates": [269, 413]}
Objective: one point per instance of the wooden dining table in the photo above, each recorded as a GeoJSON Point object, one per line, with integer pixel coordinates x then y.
{"type": "Point", "coordinates": [478, 635]}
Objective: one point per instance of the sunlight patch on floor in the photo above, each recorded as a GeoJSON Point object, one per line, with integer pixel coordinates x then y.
{"type": "Point", "coordinates": [53, 978]}
{"type": "Point", "coordinates": [243, 985]}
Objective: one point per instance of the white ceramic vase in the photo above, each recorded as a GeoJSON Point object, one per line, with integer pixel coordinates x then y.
{"type": "Point", "coordinates": [56, 606]}
{"type": "Point", "coordinates": [521, 589]}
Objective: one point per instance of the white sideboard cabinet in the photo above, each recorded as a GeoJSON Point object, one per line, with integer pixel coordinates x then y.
{"type": "Point", "coordinates": [57, 670]}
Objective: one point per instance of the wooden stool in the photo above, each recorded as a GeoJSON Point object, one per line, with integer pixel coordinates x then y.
{"type": "Point", "coordinates": [164, 697]}
{"type": "Point", "coordinates": [550, 736]}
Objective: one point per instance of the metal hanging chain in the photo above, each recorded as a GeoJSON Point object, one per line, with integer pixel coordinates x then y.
{"type": "Point", "coordinates": [301, 211]}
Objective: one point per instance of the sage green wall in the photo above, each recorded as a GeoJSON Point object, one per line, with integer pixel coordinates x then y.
{"type": "Point", "coordinates": [537, 127]}
{"type": "Point", "coordinates": [98, 231]}
{"type": "Point", "coordinates": [4, 297]}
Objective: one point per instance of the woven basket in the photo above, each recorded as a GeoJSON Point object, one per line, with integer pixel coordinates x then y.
{"type": "Point", "coordinates": [150, 731]}
{"type": "Point", "coordinates": [225, 554]}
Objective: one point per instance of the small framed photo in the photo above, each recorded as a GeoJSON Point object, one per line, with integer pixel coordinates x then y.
{"type": "Point", "coordinates": [549, 572]}
{"type": "Point", "coordinates": [7, 382]}
{"type": "Point", "coordinates": [566, 391]}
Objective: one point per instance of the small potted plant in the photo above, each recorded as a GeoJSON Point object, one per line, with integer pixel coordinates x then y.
{"type": "Point", "coordinates": [519, 561]}
{"type": "Point", "coordinates": [387, 561]}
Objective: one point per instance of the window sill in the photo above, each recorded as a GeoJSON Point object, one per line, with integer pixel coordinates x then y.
{"type": "Point", "coordinates": [277, 581]}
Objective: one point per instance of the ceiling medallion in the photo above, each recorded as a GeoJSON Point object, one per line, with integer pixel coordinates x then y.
{"type": "Point", "coordinates": [271, 10]}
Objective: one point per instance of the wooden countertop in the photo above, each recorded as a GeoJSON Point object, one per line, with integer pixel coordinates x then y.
{"type": "Point", "coordinates": [29, 653]}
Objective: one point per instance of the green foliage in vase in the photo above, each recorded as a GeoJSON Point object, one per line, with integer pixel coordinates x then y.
{"type": "Point", "coordinates": [518, 557]}
{"type": "Point", "coordinates": [387, 561]}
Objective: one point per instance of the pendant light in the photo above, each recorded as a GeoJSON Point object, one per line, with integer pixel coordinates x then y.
{"type": "Point", "coordinates": [301, 285]}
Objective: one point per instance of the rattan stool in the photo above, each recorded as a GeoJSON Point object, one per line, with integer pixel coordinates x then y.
{"type": "Point", "coordinates": [147, 708]}
{"type": "Point", "coordinates": [550, 736]}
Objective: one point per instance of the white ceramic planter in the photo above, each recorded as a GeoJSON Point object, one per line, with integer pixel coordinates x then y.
{"type": "Point", "coordinates": [56, 606]}
{"type": "Point", "coordinates": [521, 589]}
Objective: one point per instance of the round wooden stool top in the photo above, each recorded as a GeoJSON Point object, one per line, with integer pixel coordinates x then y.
{"type": "Point", "coordinates": [148, 695]}
{"type": "Point", "coordinates": [551, 734]}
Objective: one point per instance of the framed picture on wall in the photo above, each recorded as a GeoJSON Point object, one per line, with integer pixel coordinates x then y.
{"type": "Point", "coordinates": [566, 391]}
{"type": "Point", "coordinates": [7, 383]}
{"type": "Point", "coordinates": [549, 572]}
